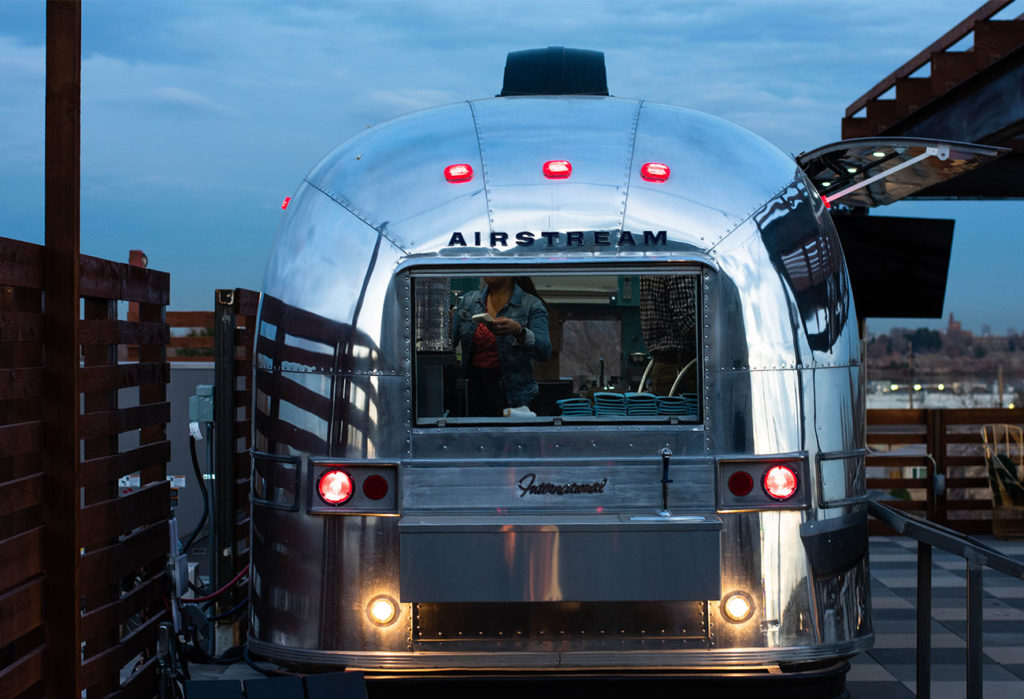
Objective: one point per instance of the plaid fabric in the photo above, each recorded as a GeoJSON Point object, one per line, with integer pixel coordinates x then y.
{"type": "Point", "coordinates": [668, 309]}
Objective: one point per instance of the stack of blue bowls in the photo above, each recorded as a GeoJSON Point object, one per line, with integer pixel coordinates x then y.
{"type": "Point", "coordinates": [609, 404]}
{"type": "Point", "coordinates": [575, 406]}
{"type": "Point", "coordinates": [671, 405]}
{"type": "Point", "coordinates": [641, 404]}
{"type": "Point", "coordinates": [692, 407]}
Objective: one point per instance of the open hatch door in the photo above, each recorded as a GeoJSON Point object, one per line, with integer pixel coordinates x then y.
{"type": "Point", "coordinates": [864, 172]}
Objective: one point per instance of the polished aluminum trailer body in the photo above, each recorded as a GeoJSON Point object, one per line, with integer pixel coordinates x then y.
{"type": "Point", "coordinates": [485, 574]}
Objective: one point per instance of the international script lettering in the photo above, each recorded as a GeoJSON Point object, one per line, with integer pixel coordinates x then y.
{"type": "Point", "coordinates": [528, 485]}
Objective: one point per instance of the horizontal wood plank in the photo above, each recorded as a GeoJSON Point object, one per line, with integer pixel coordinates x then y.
{"type": "Point", "coordinates": [21, 494]}
{"type": "Point", "coordinates": [22, 674]}
{"type": "Point", "coordinates": [109, 662]}
{"type": "Point", "coordinates": [140, 684]}
{"type": "Point", "coordinates": [897, 461]}
{"type": "Point", "coordinates": [122, 332]}
{"type": "Point", "coordinates": [901, 438]}
{"type": "Point", "coordinates": [144, 598]}
{"type": "Point", "coordinates": [111, 564]}
{"type": "Point", "coordinates": [192, 341]}
{"type": "Point", "coordinates": [18, 326]}
{"type": "Point", "coordinates": [21, 264]}
{"type": "Point", "coordinates": [190, 319]}
{"type": "Point", "coordinates": [893, 483]}
{"type": "Point", "coordinates": [104, 521]}
{"type": "Point", "coordinates": [149, 286]}
{"type": "Point", "coordinates": [21, 383]}
{"type": "Point", "coordinates": [105, 469]}
{"type": "Point", "coordinates": [106, 377]}
{"type": "Point", "coordinates": [177, 358]}
{"type": "Point", "coordinates": [21, 558]}
{"type": "Point", "coordinates": [21, 610]}
{"type": "Point", "coordinates": [973, 505]}
{"type": "Point", "coordinates": [897, 417]}
{"type": "Point", "coordinates": [981, 416]}
{"type": "Point", "coordinates": [108, 279]}
{"type": "Point", "coordinates": [102, 424]}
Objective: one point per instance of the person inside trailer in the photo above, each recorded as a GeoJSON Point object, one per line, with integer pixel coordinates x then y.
{"type": "Point", "coordinates": [502, 328]}
{"type": "Point", "coordinates": [668, 312]}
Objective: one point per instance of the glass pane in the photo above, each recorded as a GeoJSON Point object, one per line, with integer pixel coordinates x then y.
{"type": "Point", "coordinates": [578, 347]}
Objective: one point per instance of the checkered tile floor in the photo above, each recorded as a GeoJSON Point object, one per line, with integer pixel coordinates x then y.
{"type": "Point", "coordinates": [888, 670]}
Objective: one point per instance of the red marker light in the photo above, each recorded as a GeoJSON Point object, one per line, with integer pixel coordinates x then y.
{"type": "Point", "coordinates": [824, 199]}
{"type": "Point", "coordinates": [286, 202]}
{"type": "Point", "coordinates": [557, 169]}
{"type": "Point", "coordinates": [375, 487]}
{"type": "Point", "coordinates": [655, 172]}
{"type": "Point", "coordinates": [461, 172]}
{"type": "Point", "coordinates": [780, 482]}
{"type": "Point", "coordinates": [335, 487]}
{"type": "Point", "coordinates": [740, 483]}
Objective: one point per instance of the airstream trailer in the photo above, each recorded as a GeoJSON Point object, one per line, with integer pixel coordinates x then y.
{"type": "Point", "coordinates": [715, 522]}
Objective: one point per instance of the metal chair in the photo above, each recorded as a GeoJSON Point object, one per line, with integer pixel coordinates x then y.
{"type": "Point", "coordinates": [1004, 461]}
{"type": "Point", "coordinates": [675, 384]}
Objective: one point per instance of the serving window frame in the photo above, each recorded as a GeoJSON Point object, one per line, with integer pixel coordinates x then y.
{"type": "Point", "coordinates": [699, 269]}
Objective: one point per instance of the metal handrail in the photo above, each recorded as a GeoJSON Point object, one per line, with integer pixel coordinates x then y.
{"type": "Point", "coordinates": [977, 555]}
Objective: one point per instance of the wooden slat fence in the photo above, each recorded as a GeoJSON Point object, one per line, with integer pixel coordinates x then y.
{"type": "Point", "coordinates": [943, 442]}
{"type": "Point", "coordinates": [190, 340]}
{"type": "Point", "coordinates": [122, 541]}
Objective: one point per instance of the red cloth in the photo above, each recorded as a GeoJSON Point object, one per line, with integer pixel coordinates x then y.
{"type": "Point", "coordinates": [485, 348]}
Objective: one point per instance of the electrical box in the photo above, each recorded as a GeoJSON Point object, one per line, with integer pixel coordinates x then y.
{"type": "Point", "coordinates": [200, 406]}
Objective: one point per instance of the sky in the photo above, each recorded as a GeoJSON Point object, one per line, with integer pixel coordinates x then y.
{"type": "Point", "coordinates": [198, 118]}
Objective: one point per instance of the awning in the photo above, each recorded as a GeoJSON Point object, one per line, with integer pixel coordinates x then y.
{"type": "Point", "coordinates": [863, 172]}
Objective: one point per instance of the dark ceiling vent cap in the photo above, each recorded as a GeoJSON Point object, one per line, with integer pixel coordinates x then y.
{"type": "Point", "coordinates": [554, 71]}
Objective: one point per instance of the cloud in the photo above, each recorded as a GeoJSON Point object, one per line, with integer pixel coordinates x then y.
{"type": "Point", "coordinates": [189, 99]}
{"type": "Point", "coordinates": [412, 100]}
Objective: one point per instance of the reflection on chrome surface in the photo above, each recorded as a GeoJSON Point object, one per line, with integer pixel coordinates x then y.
{"type": "Point", "coordinates": [355, 364]}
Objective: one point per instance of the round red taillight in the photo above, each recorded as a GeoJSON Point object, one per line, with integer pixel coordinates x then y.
{"type": "Point", "coordinates": [461, 172]}
{"type": "Point", "coordinates": [557, 169]}
{"type": "Point", "coordinates": [655, 172]}
{"type": "Point", "coordinates": [741, 483]}
{"type": "Point", "coordinates": [375, 487]}
{"type": "Point", "coordinates": [780, 482]}
{"type": "Point", "coordinates": [335, 487]}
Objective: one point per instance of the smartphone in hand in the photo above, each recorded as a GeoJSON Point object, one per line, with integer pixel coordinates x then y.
{"type": "Point", "coordinates": [483, 317]}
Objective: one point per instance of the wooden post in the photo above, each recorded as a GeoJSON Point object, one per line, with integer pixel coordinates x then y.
{"type": "Point", "coordinates": [63, 621]}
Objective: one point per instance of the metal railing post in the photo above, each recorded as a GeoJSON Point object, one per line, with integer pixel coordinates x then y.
{"type": "Point", "coordinates": [924, 620]}
{"type": "Point", "coordinates": [225, 320]}
{"type": "Point", "coordinates": [977, 555]}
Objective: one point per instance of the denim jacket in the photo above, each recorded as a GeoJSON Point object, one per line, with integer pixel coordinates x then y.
{"type": "Point", "coordinates": [516, 358]}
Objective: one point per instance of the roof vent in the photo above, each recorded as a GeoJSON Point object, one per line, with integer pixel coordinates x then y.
{"type": "Point", "coordinates": [554, 71]}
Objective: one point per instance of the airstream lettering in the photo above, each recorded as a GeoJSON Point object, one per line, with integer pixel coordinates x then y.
{"type": "Point", "coordinates": [672, 436]}
{"type": "Point", "coordinates": [552, 238]}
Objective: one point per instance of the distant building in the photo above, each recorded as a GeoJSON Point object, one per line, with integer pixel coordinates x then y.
{"type": "Point", "coordinates": [955, 326]}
